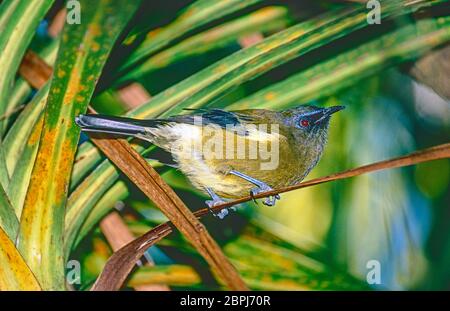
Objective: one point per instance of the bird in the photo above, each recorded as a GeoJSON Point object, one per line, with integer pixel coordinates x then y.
{"type": "Point", "coordinates": [230, 154]}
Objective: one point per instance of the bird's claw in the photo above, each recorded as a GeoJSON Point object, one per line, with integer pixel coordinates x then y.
{"type": "Point", "coordinates": [223, 213]}
{"type": "Point", "coordinates": [270, 200]}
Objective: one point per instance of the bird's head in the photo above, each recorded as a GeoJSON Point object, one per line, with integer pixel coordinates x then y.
{"type": "Point", "coordinates": [309, 124]}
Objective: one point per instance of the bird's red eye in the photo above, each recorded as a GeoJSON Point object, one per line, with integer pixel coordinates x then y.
{"type": "Point", "coordinates": [304, 123]}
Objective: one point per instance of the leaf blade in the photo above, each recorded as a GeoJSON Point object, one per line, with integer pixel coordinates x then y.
{"type": "Point", "coordinates": [83, 53]}
{"type": "Point", "coordinates": [264, 20]}
{"type": "Point", "coordinates": [19, 22]}
{"type": "Point", "coordinates": [9, 223]}
{"type": "Point", "coordinates": [196, 15]}
{"type": "Point", "coordinates": [14, 274]}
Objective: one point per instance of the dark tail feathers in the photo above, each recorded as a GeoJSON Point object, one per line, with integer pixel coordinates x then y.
{"type": "Point", "coordinates": [113, 125]}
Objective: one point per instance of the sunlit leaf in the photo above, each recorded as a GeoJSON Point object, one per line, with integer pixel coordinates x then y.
{"type": "Point", "coordinates": [8, 220]}
{"type": "Point", "coordinates": [197, 14]}
{"type": "Point", "coordinates": [14, 274]}
{"type": "Point", "coordinates": [22, 89]}
{"type": "Point", "coordinates": [331, 76]}
{"type": "Point", "coordinates": [83, 53]}
{"type": "Point", "coordinates": [19, 19]}
{"type": "Point", "coordinates": [15, 140]}
{"type": "Point", "coordinates": [264, 20]}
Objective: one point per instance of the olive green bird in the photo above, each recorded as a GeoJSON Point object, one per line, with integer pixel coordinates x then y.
{"type": "Point", "coordinates": [230, 154]}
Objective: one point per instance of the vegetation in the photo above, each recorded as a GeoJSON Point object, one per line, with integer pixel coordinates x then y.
{"type": "Point", "coordinates": [69, 202]}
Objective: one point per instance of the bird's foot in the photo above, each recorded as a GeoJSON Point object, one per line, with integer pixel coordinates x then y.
{"type": "Point", "coordinates": [270, 200]}
{"type": "Point", "coordinates": [260, 187]}
{"type": "Point", "coordinates": [216, 200]}
{"type": "Point", "coordinates": [212, 203]}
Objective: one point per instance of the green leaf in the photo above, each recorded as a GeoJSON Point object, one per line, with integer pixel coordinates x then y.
{"type": "Point", "coordinates": [15, 140]}
{"type": "Point", "coordinates": [19, 21]}
{"type": "Point", "coordinates": [263, 20]}
{"type": "Point", "coordinates": [14, 274]}
{"type": "Point", "coordinates": [77, 223]}
{"type": "Point", "coordinates": [173, 275]}
{"type": "Point", "coordinates": [21, 178]}
{"type": "Point", "coordinates": [86, 158]}
{"type": "Point", "coordinates": [281, 268]}
{"type": "Point", "coordinates": [331, 76]}
{"type": "Point", "coordinates": [8, 221]}
{"type": "Point", "coordinates": [85, 196]}
{"type": "Point", "coordinates": [197, 14]}
{"type": "Point", "coordinates": [117, 192]}
{"type": "Point", "coordinates": [277, 50]}
{"type": "Point", "coordinates": [22, 89]}
{"type": "Point", "coordinates": [6, 10]}
{"type": "Point", "coordinates": [83, 53]}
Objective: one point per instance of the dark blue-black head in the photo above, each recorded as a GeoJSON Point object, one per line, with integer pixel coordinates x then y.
{"type": "Point", "coordinates": [308, 118]}
{"type": "Point", "coordinates": [309, 124]}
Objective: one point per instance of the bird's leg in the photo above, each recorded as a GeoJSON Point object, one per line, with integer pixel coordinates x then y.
{"type": "Point", "coordinates": [260, 187]}
{"type": "Point", "coordinates": [216, 200]}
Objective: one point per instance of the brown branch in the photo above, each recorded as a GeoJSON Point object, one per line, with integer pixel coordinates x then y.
{"type": "Point", "coordinates": [130, 254]}
{"type": "Point", "coordinates": [118, 235]}
{"type": "Point", "coordinates": [35, 70]}
{"type": "Point", "coordinates": [57, 24]}
{"type": "Point", "coordinates": [133, 95]}
{"type": "Point", "coordinates": [148, 180]}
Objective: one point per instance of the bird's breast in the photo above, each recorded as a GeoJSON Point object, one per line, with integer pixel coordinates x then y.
{"type": "Point", "coordinates": [206, 155]}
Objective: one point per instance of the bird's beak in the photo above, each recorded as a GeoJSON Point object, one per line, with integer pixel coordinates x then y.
{"type": "Point", "coordinates": [331, 110]}
{"type": "Point", "coordinates": [328, 112]}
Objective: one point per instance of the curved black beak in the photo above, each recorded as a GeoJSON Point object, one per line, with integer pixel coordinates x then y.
{"type": "Point", "coordinates": [326, 112]}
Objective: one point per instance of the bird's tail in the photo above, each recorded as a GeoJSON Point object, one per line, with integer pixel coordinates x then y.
{"type": "Point", "coordinates": [113, 125]}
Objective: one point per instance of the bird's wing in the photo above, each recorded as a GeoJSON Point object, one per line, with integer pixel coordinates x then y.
{"type": "Point", "coordinates": [210, 116]}
{"type": "Point", "coordinates": [219, 117]}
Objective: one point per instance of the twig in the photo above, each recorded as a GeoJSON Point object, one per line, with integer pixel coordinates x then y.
{"type": "Point", "coordinates": [425, 155]}
{"type": "Point", "coordinates": [129, 254]}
